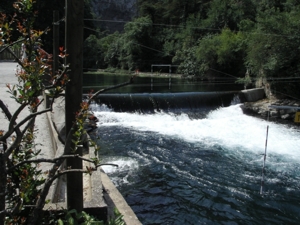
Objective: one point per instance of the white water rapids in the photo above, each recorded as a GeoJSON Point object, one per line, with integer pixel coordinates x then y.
{"type": "Point", "coordinates": [205, 168]}
{"type": "Point", "coordinates": [227, 126]}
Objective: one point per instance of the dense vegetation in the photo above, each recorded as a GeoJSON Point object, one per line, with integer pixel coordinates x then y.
{"type": "Point", "coordinates": [24, 182]}
{"type": "Point", "coordinates": [209, 39]}
{"type": "Point", "coordinates": [43, 18]}
{"type": "Point", "coordinates": [206, 38]}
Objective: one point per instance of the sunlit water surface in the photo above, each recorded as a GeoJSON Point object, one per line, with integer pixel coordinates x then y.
{"type": "Point", "coordinates": [203, 167]}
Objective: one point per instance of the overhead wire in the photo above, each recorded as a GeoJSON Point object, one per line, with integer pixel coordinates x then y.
{"type": "Point", "coordinates": [283, 79]}
{"type": "Point", "coordinates": [193, 27]}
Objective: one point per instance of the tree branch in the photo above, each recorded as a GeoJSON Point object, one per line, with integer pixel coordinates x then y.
{"type": "Point", "coordinates": [9, 117]}
{"type": "Point", "coordinates": [16, 57]}
{"type": "Point", "coordinates": [62, 74]}
{"type": "Point", "coordinates": [43, 160]}
{"type": "Point", "coordinates": [32, 116]}
{"type": "Point", "coordinates": [7, 47]}
{"type": "Point", "coordinates": [17, 141]}
{"type": "Point", "coordinates": [111, 88]}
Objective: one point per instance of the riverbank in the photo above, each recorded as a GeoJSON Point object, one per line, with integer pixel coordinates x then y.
{"type": "Point", "coordinates": [136, 73]}
{"type": "Point", "coordinates": [101, 197]}
{"type": "Point", "coordinates": [262, 109]}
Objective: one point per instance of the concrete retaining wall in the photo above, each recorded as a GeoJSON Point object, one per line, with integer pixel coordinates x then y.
{"type": "Point", "coordinates": [253, 95]}
{"type": "Point", "coordinates": [95, 201]}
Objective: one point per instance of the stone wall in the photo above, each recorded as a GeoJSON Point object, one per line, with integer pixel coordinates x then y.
{"type": "Point", "coordinates": [271, 107]}
{"type": "Point", "coordinates": [281, 111]}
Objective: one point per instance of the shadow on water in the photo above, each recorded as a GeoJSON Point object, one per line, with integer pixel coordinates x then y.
{"type": "Point", "coordinates": [167, 84]}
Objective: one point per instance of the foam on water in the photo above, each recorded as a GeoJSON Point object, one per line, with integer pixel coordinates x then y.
{"type": "Point", "coordinates": [173, 166]}
{"type": "Point", "coordinates": [124, 164]}
{"type": "Point", "coordinates": [227, 126]}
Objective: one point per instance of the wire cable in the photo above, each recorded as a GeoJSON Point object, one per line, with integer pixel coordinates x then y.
{"type": "Point", "coordinates": [196, 28]}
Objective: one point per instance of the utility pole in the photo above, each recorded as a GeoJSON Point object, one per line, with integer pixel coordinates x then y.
{"type": "Point", "coordinates": [74, 10]}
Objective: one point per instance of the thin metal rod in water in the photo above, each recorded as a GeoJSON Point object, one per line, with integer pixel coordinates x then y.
{"type": "Point", "coordinates": [151, 83]}
{"type": "Point", "coordinates": [264, 163]}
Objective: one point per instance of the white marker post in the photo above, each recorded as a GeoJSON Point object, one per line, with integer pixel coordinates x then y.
{"type": "Point", "coordinates": [264, 162]}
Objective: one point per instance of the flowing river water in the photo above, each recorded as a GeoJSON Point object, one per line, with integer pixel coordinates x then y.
{"type": "Point", "coordinates": [202, 167]}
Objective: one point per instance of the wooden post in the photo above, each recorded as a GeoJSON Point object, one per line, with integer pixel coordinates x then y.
{"type": "Point", "coordinates": [55, 41]}
{"type": "Point", "coordinates": [74, 10]}
{"type": "Point", "coordinates": [3, 180]}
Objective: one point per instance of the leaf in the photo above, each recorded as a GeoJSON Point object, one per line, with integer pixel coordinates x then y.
{"type": "Point", "coordinates": [71, 221]}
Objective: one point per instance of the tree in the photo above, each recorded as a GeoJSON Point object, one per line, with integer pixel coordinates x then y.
{"type": "Point", "coordinates": [21, 182]}
{"type": "Point", "coordinates": [273, 49]}
{"type": "Point", "coordinates": [228, 13]}
{"type": "Point", "coordinates": [130, 50]}
{"type": "Point", "coordinates": [92, 52]}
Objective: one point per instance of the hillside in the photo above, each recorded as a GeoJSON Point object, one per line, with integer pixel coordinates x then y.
{"type": "Point", "coordinates": [110, 12]}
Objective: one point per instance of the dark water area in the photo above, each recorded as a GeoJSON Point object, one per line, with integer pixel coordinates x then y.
{"type": "Point", "coordinates": [155, 84]}
{"type": "Point", "coordinates": [181, 101]}
{"type": "Point", "coordinates": [202, 167]}
{"type": "Point", "coordinates": [188, 155]}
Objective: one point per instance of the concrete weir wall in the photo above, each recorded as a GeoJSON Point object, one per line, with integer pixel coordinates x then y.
{"type": "Point", "coordinates": [253, 95]}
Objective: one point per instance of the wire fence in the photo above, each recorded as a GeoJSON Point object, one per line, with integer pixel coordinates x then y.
{"type": "Point", "coordinates": [6, 55]}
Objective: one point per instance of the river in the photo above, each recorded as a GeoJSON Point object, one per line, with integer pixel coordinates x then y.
{"type": "Point", "coordinates": [202, 167]}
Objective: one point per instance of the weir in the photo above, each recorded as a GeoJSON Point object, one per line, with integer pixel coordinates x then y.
{"type": "Point", "coordinates": [150, 102]}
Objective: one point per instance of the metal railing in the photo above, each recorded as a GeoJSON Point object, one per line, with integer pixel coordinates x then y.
{"type": "Point", "coordinates": [6, 55]}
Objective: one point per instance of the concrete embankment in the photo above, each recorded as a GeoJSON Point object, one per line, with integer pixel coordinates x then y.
{"type": "Point", "coordinates": [95, 201]}
{"type": "Point", "coordinates": [100, 194]}
{"type": "Point", "coordinates": [272, 109]}
{"type": "Point", "coordinates": [253, 95]}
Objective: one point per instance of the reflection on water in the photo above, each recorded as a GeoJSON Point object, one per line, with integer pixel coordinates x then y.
{"type": "Point", "coordinates": [155, 84]}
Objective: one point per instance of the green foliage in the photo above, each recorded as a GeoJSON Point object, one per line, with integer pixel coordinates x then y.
{"type": "Point", "coordinates": [118, 218]}
{"type": "Point", "coordinates": [137, 34]}
{"type": "Point", "coordinates": [228, 13]}
{"type": "Point", "coordinates": [245, 80]}
{"type": "Point", "coordinates": [221, 35]}
{"type": "Point", "coordinates": [273, 47]}
{"type": "Point", "coordinates": [225, 35]}
{"type": "Point", "coordinates": [126, 51]}
{"type": "Point", "coordinates": [220, 51]}
{"type": "Point", "coordinates": [93, 57]}
{"type": "Point", "coordinates": [21, 180]}
{"type": "Point", "coordinates": [188, 62]}
{"type": "Point", "coordinates": [72, 217]}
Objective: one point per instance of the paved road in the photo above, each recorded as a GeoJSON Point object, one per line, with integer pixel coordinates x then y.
{"type": "Point", "coordinates": [43, 139]}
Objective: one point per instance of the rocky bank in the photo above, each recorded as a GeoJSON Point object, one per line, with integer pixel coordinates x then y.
{"type": "Point", "coordinates": [263, 109]}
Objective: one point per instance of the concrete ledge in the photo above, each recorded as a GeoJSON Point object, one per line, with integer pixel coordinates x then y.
{"type": "Point", "coordinates": [100, 195]}
{"type": "Point", "coordinates": [115, 200]}
{"type": "Point", "coordinates": [253, 95]}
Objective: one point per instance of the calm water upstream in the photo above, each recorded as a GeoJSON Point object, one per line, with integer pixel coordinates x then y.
{"type": "Point", "coordinates": [202, 167]}
{"type": "Point", "coordinates": [155, 84]}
